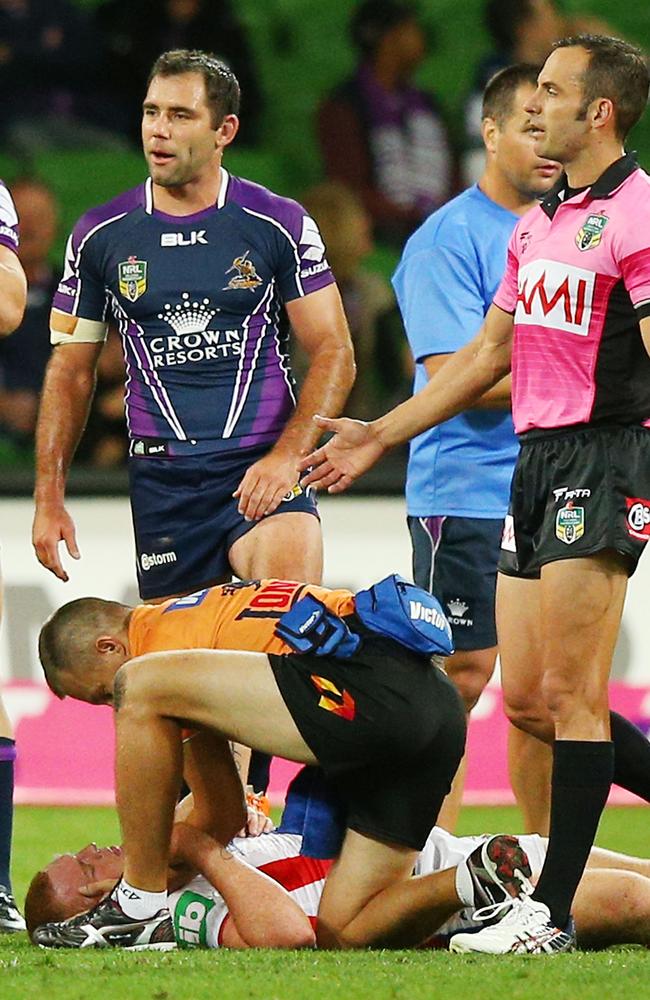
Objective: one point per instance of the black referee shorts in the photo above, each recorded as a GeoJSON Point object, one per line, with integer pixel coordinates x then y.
{"type": "Point", "coordinates": [386, 726]}
{"type": "Point", "coordinates": [576, 493]}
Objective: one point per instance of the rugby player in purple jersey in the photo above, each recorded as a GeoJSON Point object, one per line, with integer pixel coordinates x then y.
{"type": "Point", "coordinates": [196, 266]}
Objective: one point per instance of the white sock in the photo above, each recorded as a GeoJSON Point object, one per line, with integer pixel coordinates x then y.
{"type": "Point", "coordinates": [464, 885]}
{"type": "Point", "coordinates": [138, 903]}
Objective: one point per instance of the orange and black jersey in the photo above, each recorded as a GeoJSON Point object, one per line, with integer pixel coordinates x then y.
{"type": "Point", "coordinates": [230, 616]}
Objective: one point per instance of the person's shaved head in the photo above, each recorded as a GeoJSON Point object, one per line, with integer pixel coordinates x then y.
{"type": "Point", "coordinates": [67, 640]}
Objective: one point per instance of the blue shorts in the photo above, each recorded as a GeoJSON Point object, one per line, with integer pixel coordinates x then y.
{"type": "Point", "coordinates": [185, 518]}
{"type": "Point", "coordinates": [456, 559]}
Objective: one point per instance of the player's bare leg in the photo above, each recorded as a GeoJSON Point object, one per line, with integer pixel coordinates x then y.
{"type": "Point", "coordinates": [233, 693]}
{"type": "Point", "coordinates": [470, 670]}
{"type": "Point", "coordinates": [519, 623]}
{"type": "Point", "coordinates": [530, 763]}
{"type": "Point", "coordinates": [363, 896]}
{"type": "Point", "coordinates": [283, 546]}
{"type": "Point", "coordinates": [611, 907]}
{"type": "Point", "coordinates": [577, 650]}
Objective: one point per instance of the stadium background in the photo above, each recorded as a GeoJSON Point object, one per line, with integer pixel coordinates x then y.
{"type": "Point", "coordinates": [302, 51]}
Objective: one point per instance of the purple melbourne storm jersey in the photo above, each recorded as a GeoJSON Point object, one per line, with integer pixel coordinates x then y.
{"type": "Point", "coordinates": [197, 300]}
{"type": "Point", "coordinates": [8, 220]}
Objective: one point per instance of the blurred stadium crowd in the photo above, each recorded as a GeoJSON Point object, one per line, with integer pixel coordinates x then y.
{"type": "Point", "coordinates": [322, 89]}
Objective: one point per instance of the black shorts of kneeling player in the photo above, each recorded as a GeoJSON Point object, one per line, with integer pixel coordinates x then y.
{"type": "Point", "coordinates": [576, 492]}
{"type": "Point", "coordinates": [388, 728]}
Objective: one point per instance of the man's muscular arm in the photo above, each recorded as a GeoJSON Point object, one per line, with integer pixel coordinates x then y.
{"type": "Point", "coordinates": [65, 400]}
{"type": "Point", "coordinates": [261, 914]}
{"type": "Point", "coordinates": [13, 291]}
{"type": "Point", "coordinates": [496, 398]}
{"type": "Point", "coordinates": [319, 324]}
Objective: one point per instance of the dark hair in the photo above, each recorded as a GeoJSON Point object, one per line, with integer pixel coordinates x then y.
{"type": "Point", "coordinates": [374, 18]}
{"type": "Point", "coordinates": [503, 18]}
{"type": "Point", "coordinates": [499, 94]}
{"type": "Point", "coordinates": [616, 70]}
{"type": "Point", "coordinates": [221, 84]}
{"type": "Point", "coordinates": [66, 639]}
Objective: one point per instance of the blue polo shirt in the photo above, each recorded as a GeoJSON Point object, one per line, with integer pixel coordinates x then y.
{"type": "Point", "coordinates": [445, 282]}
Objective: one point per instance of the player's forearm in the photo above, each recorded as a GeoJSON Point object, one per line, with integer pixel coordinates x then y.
{"type": "Point", "coordinates": [13, 291]}
{"type": "Point", "coordinates": [263, 913]}
{"type": "Point", "coordinates": [65, 402]}
{"type": "Point", "coordinates": [499, 397]}
{"type": "Point", "coordinates": [327, 385]}
{"type": "Point", "coordinates": [467, 376]}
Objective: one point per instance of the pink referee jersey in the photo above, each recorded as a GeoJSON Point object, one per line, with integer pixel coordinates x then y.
{"type": "Point", "coordinates": [578, 282]}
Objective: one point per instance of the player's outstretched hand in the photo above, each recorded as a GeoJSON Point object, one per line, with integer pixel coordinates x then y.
{"type": "Point", "coordinates": [352, 450]}
{"type": "Point", "coordinates": [266, 483]}
{"type": "Point", "coordinates": [51, 526]}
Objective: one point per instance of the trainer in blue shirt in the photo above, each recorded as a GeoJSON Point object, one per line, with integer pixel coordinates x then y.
{"type": "Point", "coordinates": [459, 473]}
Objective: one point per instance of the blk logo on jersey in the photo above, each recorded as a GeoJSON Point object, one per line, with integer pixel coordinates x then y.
{"type": "Point", "coordinates": [332, 700]}
{"type": "Point", "coordinates": [132, 275]}
{"type": "Point", "coordinates": [638, 518]}
{"type": "Point", "coordinates": [589, 235]}
{"type": "Point", "coordinates": [184, 239]}
{"type": "Point", "coordinates": [555, 295]}
{"type": "Point", "coordinates": [570, 523]}
{"type": "Point", "coordinates": [246, 276]}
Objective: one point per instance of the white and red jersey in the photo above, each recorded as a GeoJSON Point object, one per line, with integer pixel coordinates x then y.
{"type": "Point", "coordinates": [578, 281]}
{"type": "Point", "coordinates": [199, 912]}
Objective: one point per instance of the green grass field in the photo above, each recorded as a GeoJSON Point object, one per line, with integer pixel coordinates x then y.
{"type": "Point", "coordinates": [29, 972]}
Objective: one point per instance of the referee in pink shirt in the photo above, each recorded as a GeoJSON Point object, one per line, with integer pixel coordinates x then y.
{"type": "Point", "coordinates": [571, 319]}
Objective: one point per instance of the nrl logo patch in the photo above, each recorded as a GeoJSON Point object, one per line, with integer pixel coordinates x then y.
{"type": "Point", "coordinates": [570, 523]}
{"type": "Point", "coordinates": [590, 234]}
{"type": "Point", "coordinates": [246, 276]}
{"type": "Point", "coordinates": [132, 276]}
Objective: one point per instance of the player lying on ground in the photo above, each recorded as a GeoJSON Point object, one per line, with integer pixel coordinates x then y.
{"type": "Point", "coordinates": [264, 892]}
{"type": "Point", "coordinates": [385, 724]}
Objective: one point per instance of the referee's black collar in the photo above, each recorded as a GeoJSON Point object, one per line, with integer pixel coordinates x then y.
{"type": "Point", "coordinates": [608, 182]}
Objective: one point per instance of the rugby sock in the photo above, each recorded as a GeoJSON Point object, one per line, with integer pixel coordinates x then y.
{"type": "Point", "coordinates": [582, 776]}
{"type": "Point", "coordinates": [631, 756]}
{"type": "Point", "coordinates": [7, 758]}
{"type": "Point", "coordinates": [138, 903]}
{"type": "Point", "coordinates": [464, 885]}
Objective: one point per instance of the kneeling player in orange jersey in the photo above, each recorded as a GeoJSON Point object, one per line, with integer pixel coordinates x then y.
{"type": "Point", "coordinates": [316, 676]}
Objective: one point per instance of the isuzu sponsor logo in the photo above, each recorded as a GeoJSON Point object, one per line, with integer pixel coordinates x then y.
{"type": "Point", "coordinates": [147, 562]}
{"type": "Point", "coordinates": [638, 518]}
{"type": "Point", "coordinates": [555, 295]}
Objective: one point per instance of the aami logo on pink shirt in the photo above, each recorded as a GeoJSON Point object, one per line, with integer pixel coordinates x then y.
{"type": "Point", "coordinates": [555, 295]}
